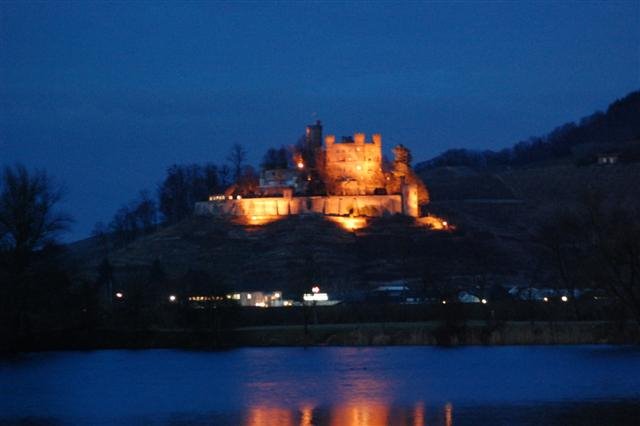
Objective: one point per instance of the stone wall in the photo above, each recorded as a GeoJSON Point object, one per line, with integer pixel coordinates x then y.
{"type": "Point", "coordinates": [353, 167]}
{"type": "Point", "coordinates": [366, 205]}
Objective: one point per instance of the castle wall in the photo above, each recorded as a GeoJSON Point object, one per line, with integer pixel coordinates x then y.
{"type": "Point", "coordinates": [354, 168]}
{"type": "Point", "coordinates": [367, 205]}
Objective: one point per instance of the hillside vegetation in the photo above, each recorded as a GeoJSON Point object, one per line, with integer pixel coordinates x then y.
{"type": "Point", "coordinates": [616, 129]}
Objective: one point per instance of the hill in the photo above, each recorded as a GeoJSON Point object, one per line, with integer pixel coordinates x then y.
{"type": "Point", "coordinates": [618, 128]}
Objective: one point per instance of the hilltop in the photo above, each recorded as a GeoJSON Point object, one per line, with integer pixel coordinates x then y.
{"type": "Point", "coordinates": [496, 210]}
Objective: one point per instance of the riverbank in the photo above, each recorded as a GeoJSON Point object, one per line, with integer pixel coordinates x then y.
{"type": "Point", "coordinates": [358, 334]}
{"type": "Point", "coordinates": [439, 333]}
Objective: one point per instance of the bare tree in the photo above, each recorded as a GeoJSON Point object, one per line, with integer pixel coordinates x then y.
{"type": "Point", "coordinates": [598, 245]}
{"type": "Point", "coordinates": [28, 216]}
{"type": "Point", "coordinates": [237, 157]}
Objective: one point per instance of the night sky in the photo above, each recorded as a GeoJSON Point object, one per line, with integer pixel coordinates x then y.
{"type": "Point", "coordinates": [106, 96]}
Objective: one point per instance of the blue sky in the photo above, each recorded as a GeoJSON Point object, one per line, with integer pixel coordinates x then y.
{"type": "Point", "coordinates": [106, 96]}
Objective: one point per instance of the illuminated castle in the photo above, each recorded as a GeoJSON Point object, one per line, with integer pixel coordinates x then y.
{"type": "Point", "coordinates": [341, 178]}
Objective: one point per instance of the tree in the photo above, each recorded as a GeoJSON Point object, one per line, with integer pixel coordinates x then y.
{"type": "Point", "coordinates": [237, 158]}
{"type": "Point", "coordinates": [185, 185]}
{"type": "Point", "coordinates": [597, 245]}
{"type": "Point", "coordinates": [28, 216]}
{"type": "Point", "coordinates": [275, 159]}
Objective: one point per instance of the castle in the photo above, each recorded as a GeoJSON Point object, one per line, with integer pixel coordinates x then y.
{"type": "Point", "coordinates": [341, 178]}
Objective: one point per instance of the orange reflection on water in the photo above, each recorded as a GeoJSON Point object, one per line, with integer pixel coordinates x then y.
{"type": "Point", "coordinates": [269, 416]}
{"type": "Point", "coordinates": [363, 414]}
{"type": "Point", "coordinates": [418, 414]}
{"type": "Point", "coordinates": [306, 418]}
{"type": "Point", "coordinates": [448, 414]}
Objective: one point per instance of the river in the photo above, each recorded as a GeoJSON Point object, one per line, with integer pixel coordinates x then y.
{"type": "Point", "coordinates": [529, 385]}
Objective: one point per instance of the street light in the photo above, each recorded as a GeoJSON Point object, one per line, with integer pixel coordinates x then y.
{"type": "Point", "coordinates": [119, 295]}
{"type": "Point", "coordinates": [564, 298]}
{"type": "Point", "coordinates": [484, 301]}
{"type": "Point", "coordinates": [172, 298]}
{"type": "Point", "coordinates": [315, 289]}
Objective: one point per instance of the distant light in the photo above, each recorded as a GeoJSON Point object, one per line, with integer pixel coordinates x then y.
{"type": "Point", "coordinates": [315, 297]}
{"type": "Point", "coordinates": [239, 197]}
{"type": "Point", "coordinates": [546, 299]}
{"type": "Point", "coordinates": [231, 197]}
{"type": "Point", "coordinates": [300, 165]}
{"type": "Point", "coordinates": [315, 289]}
{"type": "Point", "coordinates": [444, 302]}
{"type": "Point", "coordinates": [276, 295]}
{"type": "Point", "coordinates": [119, 295]}
{"type": "Point", "coordinates": [484, 301]}
{"type": "Point", "coordinates": [172, 298]}
{"type": "Point", "coordinates": [359, 167]}
{"type": "Point", "coordinates": [249, 296]}
{"type": "Point", "coordinates": [444, 223]}
{"type": "Point", "coordinates": [564, 298]}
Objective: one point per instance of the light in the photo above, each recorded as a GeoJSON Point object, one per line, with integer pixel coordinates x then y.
{"type": "Point", "coordinates": [231, 197]}
{"type": "Point", "coordinates": [349, 223]}
{"type": "Point", "coordinates": [119, 295]}
{"type": "Point", "coordinates": [359, 167]}
{"type": "Point", "coordinates": [172, 298]}
{"type": "Point", "coordinates": [249, 296]}
{"type": "Point", "coordinates": [315, 289]}
{"type": "Point", "coordinates": [300, 165]}
{"type": "Point", "coordinates": [444, 223]}
{"type": "Point", "coordinates": [276, 295]}
{"type": "Point", "coordinates": [564, 298]}
{"type": "Point", "coordinates": [239, 197]}
{"type": "Point", "coordinates": [545, 299]}
{"type": "Point", "coordinates": [484, 301]}
{"type": "Point", "coordinates": [444, 302]}
{"type": "Point", "coordinates": [315, 297]}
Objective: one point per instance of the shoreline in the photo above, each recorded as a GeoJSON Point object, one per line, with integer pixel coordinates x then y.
{"type": "Point", "coordinates": [429, 333]}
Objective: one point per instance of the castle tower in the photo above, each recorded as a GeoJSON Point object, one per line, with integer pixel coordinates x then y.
{"type": "Point", "coordinates": [313, 135]}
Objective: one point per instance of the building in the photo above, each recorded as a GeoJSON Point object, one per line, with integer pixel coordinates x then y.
{"type": "Point", "coordinates": [353, 166]}
{"type": "Point", "coordinates": [341, 178]}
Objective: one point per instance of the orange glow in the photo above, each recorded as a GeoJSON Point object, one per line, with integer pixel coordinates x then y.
{"type": "Point", "coordinates": [361, 414]}
{"type": "Point", "coordinates": [256, 220]}
{"type": "Point", "coordinates": [307, 416]}
{"type": "Point", "coordinates": [349, 223]}
{"type": "Point", "coordinates": [448, 414]}
{"type": "Point", "coordinates": [300, 165]}
{"type": "Point", "coordinates": [435, 223]}
{"type": "Point", "coordinates": [269, 416]}
{"type": "Point", "coordinates": [418, 414]}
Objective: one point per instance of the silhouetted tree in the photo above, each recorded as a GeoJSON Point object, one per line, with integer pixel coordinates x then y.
{"type": "Point", "coordinates": [185, 185]}
{"type": "Point", "coordinates": [275, 159]}
{"type": "Point", "coordinates": [237, 158]}
{"type": "Point", "coordinates": [598, 244]}
{"type": "Point", "coordinates": [28, 216]}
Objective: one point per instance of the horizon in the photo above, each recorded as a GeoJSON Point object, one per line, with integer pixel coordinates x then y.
{"type": "Point", "coordinates": [105, 97]}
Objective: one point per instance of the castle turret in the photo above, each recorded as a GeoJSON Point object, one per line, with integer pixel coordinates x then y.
{"type": "Point", "coordinates": [313, 135]}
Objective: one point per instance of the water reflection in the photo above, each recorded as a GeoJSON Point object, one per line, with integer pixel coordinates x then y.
{"type": "Point", "coordinates": [351, 414]}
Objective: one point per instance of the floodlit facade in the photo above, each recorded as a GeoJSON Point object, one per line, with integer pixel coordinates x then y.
{"type": "Point", "coordinates": [344, 178]}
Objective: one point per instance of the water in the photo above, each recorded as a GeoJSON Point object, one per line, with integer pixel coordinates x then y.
{"type": "Point", "coordinates": [333, 386]}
